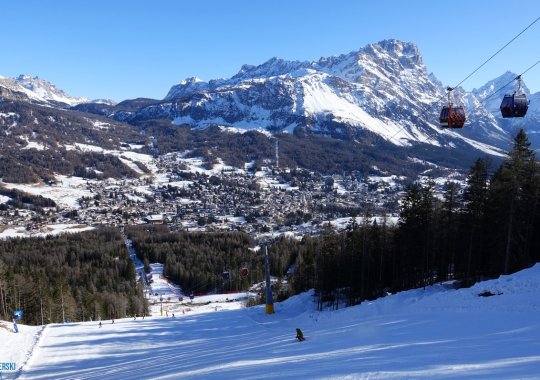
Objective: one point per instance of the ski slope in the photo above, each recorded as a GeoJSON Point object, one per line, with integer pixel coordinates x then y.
{"type": "Point", "coordinates": [437, 333]}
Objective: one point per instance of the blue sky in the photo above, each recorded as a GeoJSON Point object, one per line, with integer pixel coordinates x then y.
{"type": "Point", "coordinates": [126, 49]}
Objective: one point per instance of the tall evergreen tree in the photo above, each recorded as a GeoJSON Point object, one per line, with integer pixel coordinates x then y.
{"type": "Point", "coordinates": [475, 198]}
{"type": "Point", "coordinates": [512, 193]}
{"type": "Point", "coordinates": [447, 231]}
{"type": "Point", "coordinates": [414, 235]}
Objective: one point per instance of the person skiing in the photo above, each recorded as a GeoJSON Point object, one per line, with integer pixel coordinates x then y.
{"type": "Point", "coordinates": [99, 324]}
{"type": "Point", "coordinates": [299, 335]}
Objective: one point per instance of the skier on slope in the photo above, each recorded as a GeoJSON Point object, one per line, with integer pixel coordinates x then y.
{"type": "Point", "coordinates": [299, 335]}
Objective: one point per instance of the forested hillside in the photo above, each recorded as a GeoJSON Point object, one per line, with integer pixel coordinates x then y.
{"type": "Point", "coordinates": [73, 277]}
{"type": "Point", "coordinates": [299, 149]}
{"type": "Point", "coordinates": [39, 142]}
{"type": "Point", "coordinates": [197, 260]}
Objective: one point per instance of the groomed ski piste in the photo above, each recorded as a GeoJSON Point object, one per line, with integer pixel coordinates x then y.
{"type": "Point", "coordinates": [436, 333]}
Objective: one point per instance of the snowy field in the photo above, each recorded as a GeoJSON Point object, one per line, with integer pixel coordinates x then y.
{"type": "Point", "coordinates": [437, 333]}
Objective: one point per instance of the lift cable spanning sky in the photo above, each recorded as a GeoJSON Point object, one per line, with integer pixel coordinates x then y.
{"type": "Point", "coordinates": [421, 116]}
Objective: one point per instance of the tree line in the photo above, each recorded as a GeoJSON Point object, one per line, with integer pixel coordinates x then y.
{"type": "Point", "coordinates": [72, 277]}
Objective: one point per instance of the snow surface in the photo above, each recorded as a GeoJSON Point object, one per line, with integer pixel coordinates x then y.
{"type": "Point", "coordinates": [65, 192]}
{"type": "Point", "coordinates": [46, 230]}
{"type": "Point", "coordinates": [437, 333]}
{"type": "Point", "coordinates": [340, 224]}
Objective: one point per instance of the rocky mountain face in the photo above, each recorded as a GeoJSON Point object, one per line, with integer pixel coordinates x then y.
{"type": "Point", "coordinates": [38, 90]}
{"type": "Point", "coordinates": [381, 89]}
{"type": "Point", "coordinates": [380, 92]}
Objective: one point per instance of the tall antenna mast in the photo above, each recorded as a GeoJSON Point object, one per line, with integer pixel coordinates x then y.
{"type": "Point", "coordinates": [277, 153]}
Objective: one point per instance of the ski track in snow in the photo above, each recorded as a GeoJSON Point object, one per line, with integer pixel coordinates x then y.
{"type": "Point", "coordinates": [30, 352]}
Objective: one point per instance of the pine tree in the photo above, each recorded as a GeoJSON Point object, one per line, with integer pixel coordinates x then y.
{"type": "Point", "coordinates": [447, 230]}
{"type": "Point", "coordinates": [512, 206]}
{"type": "Point", "coordinates": [326, 266]}
{"type": "Point", "coordinates": [414, 236]}
{"type": "Point", "coordinates": [475, 197]}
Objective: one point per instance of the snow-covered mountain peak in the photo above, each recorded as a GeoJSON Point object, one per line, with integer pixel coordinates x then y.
{"type": "Point", "coordinates": [380, 89]}
{"type": "Point", "coordinates": [387, 58]}
{"type": "Point", "coordinates": [504, 84]}
{"type": "Point", "coordinates": [40, 90]}
{"type": "Point", "coordinates": [395, 54]}
{"type": "Point", "coordinates": [271, 68]}
{"type": "Point", "coordinates": [187, 87]}
{"type": "Point", "coordinates": [191, 80]}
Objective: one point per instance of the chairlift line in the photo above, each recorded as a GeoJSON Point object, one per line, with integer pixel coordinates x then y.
{"type": "Point", "coordinates": [498, 51]}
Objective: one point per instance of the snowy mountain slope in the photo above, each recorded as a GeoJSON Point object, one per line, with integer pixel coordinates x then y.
{"type": "Point", "coordinates": [35, 138]}
{"type": "Point", "coordinates": [438, 333]}
{"type": "Point", "coordinates": [335, 96]}
{"type": "Point", "coordinates": [39, 90]}
{"type": "Point", "coordinates": [382, 91]}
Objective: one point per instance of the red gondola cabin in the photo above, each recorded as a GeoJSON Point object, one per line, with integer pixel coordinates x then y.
{"type": "Point", "coordinates": [452, 117]}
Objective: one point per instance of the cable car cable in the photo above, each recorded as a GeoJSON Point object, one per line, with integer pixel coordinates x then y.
{"type": "Point", "coordinates": [492, 94]}
{"type": "Point", "coordinates": [498, 51]}
{"type": "Point", "coordinates": [471, 74]}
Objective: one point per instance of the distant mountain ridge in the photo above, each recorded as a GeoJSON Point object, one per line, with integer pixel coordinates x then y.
{"type": "Point", "coordinates": [39, 90]}
{"type": "Point", "coordinates": [382, 91]}
{"type": "Point", "coordinates": [380, 102]}
{"type": "Point", "coordinates": [346, 92]}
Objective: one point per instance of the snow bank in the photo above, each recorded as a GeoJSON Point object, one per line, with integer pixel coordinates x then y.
{"type": "Point", "coordinates": [17, 347]}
